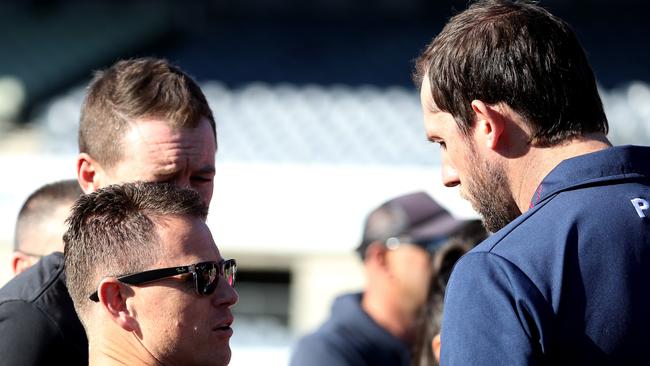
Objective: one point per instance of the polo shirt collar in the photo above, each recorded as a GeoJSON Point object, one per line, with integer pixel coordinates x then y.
{"type": "Point", "coordinates": [614, 163]}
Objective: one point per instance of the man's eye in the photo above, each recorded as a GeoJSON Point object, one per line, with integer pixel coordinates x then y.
{"type": "Point", "coordinates": [202, 179]}
{"type": "Point", "coordinates": [442, 145]}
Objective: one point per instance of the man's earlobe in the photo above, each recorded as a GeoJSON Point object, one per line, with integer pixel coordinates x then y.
{"type": "Point", "coordinates": [20, 262]}
{"type": "Point", "coordinates": [88, 173]}
{"type": "Point", "coordinates": [113, 300]}
{"type": "Point", "coordinates": [490, 123]}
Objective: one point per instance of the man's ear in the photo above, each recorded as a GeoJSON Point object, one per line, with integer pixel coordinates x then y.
{"type": "Point", "coordinates": [89, 173]}
{"type": "Point", "coordinates": [435, 347]}
{"type": "Point", "coordinates": [20, 262]}
{"type": "Point", "coordinates": [490, 124]}
{"type": "Point", "coordinates": [112, 297]}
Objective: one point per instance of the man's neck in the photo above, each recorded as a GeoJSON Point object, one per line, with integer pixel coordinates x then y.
{"type": "Point", "coordinates": [119, 349]}
{"type": "Point", "coordinates": [528, 171]}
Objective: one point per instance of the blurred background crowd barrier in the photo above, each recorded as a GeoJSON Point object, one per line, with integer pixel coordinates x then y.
{"type": "Point", "coordinates": [318, 123]}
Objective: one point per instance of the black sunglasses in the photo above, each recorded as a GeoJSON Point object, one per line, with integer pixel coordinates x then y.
{"type": "Point", "coordinates": [206, 276]}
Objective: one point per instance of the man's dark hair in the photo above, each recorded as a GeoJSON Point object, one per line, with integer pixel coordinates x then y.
{"type": "Point", "coordinates": [132, 89]}
{"type": "Point", "coordinates": [112, 232]}
{"type": "Point", "coordinates": [517, 53]}
{"type": "Point", "coordinates": [39, 210]}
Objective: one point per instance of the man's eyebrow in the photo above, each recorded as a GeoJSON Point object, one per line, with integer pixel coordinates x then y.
{"type": "Point", "coordinates": [207, 169]}
{"type": "Point", "coordinates": [432, 139]}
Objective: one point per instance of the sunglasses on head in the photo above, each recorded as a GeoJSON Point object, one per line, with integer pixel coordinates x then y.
{"type": "Point", "coordinates": [430, 245]}
{"type": "Point", "coordinates": [206, 276]}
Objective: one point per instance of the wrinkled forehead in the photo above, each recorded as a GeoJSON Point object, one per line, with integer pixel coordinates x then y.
{"type": "Point", "coordinates": [163, 149]}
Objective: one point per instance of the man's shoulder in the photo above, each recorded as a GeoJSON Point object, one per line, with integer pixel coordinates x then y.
{"type": "Point", "coordinates": [37, 311]}
{"type": "Point", "coordinates": [572, 227]}
{"type": "Point", "coordinates": [581, 208]}
{"type": "Point", "coordinates": [38, 297]}
{"type": "Point", "coordinates": [322, 347]}
{"type": "Point", "coordinates": [32, 284]}
{"type": "Point", "coordinates": [330, 335]}
{"type": "Point", "coordinates": [348, 337]}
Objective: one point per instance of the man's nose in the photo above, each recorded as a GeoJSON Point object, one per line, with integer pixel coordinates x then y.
{"type": "Point", "coordinates": [449, 174]}
{"type": "Point", "coordinates": [225, 294]}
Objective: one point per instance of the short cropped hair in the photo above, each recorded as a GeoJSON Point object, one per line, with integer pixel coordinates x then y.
{"type": "Point", "coordinates": [39, 211]}
{"type": "Point", "coordinates": [112, 232]}
{"type": "Point", "coordinates": [132, 89]}
{"type": "Point", "coordinates": [517, 53]}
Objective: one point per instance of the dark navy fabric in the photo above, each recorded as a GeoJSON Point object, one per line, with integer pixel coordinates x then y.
{"type": "Point", "coordinates": [568, 282]}
{"type": "Point", "coordinates": [38, 323]}
{"type": "Point", "coordinates": [350, 337]}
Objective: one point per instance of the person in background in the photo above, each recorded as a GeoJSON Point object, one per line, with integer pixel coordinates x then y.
{"type": "Point", "coordinates": [40, 224]}
{"type": "Point", "coordinates": [147, 279]}
{"type": "Point", "coordinates": [377, 327]}
{"type": "Point", "coordinates": [141, 120]}
{"type": "Point", "coordinates": [427, 343]}
{"type": "Point", "coordinates": [508, 94]}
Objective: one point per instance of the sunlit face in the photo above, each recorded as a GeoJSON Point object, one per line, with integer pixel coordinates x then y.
{"type": "Point", "coordinates": [178, 326]}
{"type": "Point", "coordinates": [482, 183]}
{"type": "Point", "coordinates": [455, 149]}
{"type": "Point", "coordinates": [156, 152]}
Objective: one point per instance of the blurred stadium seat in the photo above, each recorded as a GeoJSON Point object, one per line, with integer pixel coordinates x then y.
{"type": "Point", "coordinates": [314, 124]}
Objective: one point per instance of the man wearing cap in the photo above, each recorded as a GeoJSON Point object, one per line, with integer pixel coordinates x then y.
{"type": "Point", "coordinates": [376, 327]}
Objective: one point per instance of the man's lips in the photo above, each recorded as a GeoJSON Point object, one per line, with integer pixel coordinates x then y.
{"type": "Point", "coordinates": [225, 331]}
{"type": "Point", "coordinates": [224, 327]}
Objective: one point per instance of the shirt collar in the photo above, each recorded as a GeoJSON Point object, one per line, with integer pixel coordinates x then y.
{"type": "Point", "coordinates": [620, 162]}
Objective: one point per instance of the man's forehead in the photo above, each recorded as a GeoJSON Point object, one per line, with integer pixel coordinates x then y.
{"type": "Point", "coordinates": [185, 239]}
{"type": "Point", "coordinates": [164, 142]}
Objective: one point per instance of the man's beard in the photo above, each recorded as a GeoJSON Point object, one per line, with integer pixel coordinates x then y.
{"type": "Point", "coordinates": [488, 190]}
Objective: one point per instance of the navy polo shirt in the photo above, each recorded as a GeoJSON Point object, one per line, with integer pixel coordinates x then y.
{"type": "Point", "coordinates": [568, 282]}
{"type": "Point", "coordinates": [350, 337]}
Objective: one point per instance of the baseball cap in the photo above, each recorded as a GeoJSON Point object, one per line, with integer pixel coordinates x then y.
{"type": "Point", "coordinates": [413, 218]}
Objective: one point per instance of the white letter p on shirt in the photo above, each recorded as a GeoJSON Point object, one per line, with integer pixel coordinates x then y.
{"type": "Point", "coordinates": [640, 205]}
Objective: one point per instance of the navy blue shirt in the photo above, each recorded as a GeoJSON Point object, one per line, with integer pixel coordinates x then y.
{"type": "Point", "coordinates": [350, 337]}
{"type": "Point", "coordinates": [568, 282]}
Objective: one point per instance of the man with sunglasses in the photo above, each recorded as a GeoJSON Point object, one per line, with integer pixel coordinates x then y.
{"type": "Point", "coordinates": [141, 120]}
{"type": "Point", "coordinates": [147, 279]}
{"type": "Point", "coordinates": [377, 327]}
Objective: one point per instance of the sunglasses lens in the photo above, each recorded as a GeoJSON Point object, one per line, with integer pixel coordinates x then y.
{"type": "Point", "coordinates": [229, 272]}
{"type": "Point", "coordinates": [207, 275]}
